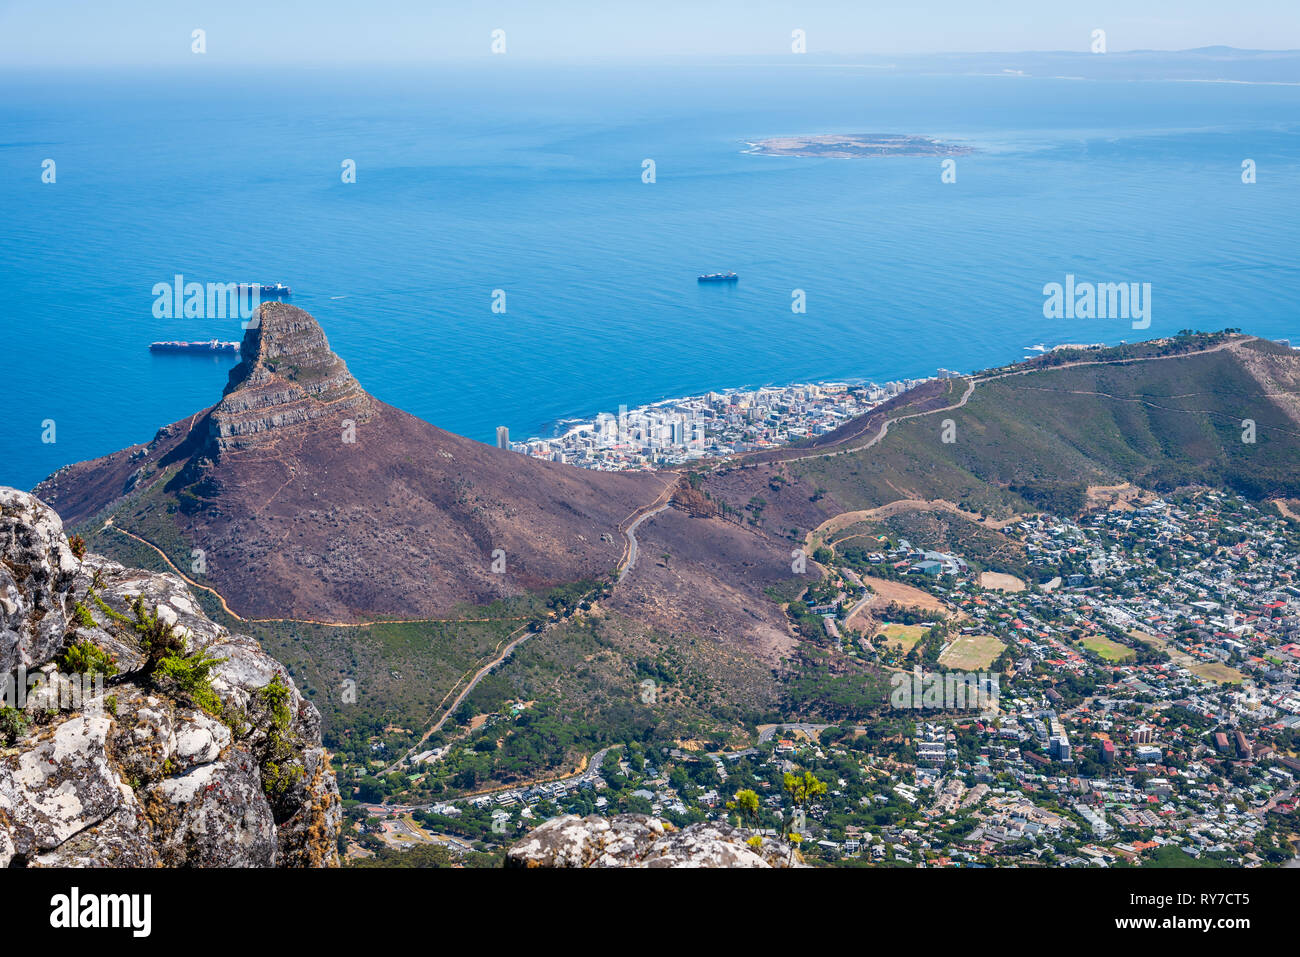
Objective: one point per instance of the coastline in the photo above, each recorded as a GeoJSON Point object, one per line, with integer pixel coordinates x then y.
{"type": "Point", "coordinates": [557, 430]}
{"type": "Point", "coordinates": [675, 430]}
{"type": "Point", "coordinates": [855, 146]}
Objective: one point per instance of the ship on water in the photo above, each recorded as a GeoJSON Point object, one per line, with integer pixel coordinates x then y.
{"type": "Point", "coordinates": [277, 290]}
{"type": "Point", "coordinates": [212, 345]}
{"type": "Point", "coordinates": [719, 277]}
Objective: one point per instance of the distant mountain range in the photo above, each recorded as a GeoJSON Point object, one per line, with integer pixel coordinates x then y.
{"type": "Point", "coordinates": [1212, 63]}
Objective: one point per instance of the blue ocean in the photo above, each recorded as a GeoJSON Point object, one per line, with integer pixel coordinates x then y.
{"type": "Point", "coordinates": [528, 179]}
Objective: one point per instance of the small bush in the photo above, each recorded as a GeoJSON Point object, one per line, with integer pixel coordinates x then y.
{"type": "Point", "coordinates": [84, 657]}
{"type": "Point", "coordinates": [13, 725]}
{"type": "Point", "coordinates": [83, 616]}
{"type": "Point", "coordinates": [192, 674]}
{"type": "Point", "coordinates": [277, 775]}
{"type": "Point", "coordinates": [167, 662]}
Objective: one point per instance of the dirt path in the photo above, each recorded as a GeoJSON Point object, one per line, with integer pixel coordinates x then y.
{"type": "Point", "coordinates": [297, 621]}
{"type": "Point", "coordinates": [973, 381]}
{"type": "Point", "coordinates": [1285, 509]}
{"type": "Point", "coordinates": [837, 523]}
{"type": "Point", "coordinates": [639, 515]}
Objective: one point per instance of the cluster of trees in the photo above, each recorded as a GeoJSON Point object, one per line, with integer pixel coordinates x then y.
{"type": "Point", "coordinates": [816, 690]}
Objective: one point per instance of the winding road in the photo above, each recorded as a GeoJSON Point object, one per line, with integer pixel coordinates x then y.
{"type": "Point", "coordinates": [973, 381]}
{"type": "Point", "coordinates": [884, 428]}
{"type": "Point", "coordinates": [630, 533]}
{"type": "Point", "coordinates": [630, 551]}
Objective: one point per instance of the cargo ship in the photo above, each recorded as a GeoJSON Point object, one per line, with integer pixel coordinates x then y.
{"type": "Point", "coordinates": [719, 277]}
{"type": "Point", "coordinates": [276, 290]}
{"type": "Point", "coordinates": [212, 345]}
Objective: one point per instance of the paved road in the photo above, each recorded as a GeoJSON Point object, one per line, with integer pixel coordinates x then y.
{"type": "Point", "coordinates": [767, 732]}
{"type": "Point", "coordinates": [590, 771]}
{"type": "Point", "coordinates": [661, 502]}
{"type": "Point", "coordinates": [483, 673]}
{"type": "Point", "coordinates": [631, 540]}
{"type": "Point", "coordinates": [478, 676]}
{"type": "Point", "coordinates": [593, 766]}
{"type": "Point", "coordinates": [396, 830]}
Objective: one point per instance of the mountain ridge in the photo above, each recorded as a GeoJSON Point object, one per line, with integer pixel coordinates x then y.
{"type": "Point", "coordinates": [307, 497]}
{"type": "Point", "coordinates": [299, 529]}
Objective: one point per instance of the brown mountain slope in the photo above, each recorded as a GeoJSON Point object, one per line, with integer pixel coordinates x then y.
{"type": "Point", "coordinates": [308, 498]}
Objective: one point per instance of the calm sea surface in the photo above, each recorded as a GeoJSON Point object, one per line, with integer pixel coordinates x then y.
{"type": "Point", "coordinates": [528, 179]}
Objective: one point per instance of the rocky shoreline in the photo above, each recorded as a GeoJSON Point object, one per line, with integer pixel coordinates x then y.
{"type": "Point", "coordinates": [854, 145]}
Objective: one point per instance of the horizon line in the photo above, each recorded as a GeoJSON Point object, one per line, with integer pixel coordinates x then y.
{"type": "Point", "coordinates": [13, 66]}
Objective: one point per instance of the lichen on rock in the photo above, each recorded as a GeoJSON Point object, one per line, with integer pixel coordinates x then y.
{"type": "Point", "coordinates": [189, 764]}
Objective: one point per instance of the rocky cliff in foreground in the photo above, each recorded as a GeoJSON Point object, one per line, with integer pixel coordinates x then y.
{"type": "Point", "coordinates": [150, 736]}
{"type": "Point", "coordinates": [638, 840]}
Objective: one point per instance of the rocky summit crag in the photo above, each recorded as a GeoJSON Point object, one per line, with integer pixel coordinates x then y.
{"type": "Point", "coordinates": [312, 499]}
{"type": "Point", "coordinates": [189, 747]}
{"type": "Point", "coordinates": [287, 377]}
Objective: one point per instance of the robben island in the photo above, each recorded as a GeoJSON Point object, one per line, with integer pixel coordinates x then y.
{"type": "Point", "coordinates": [711, 425]}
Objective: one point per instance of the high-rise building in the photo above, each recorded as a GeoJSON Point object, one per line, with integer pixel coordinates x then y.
{"type": "Point", "coordinates": [503, 437]}
{"type": "Point", "coordinates": [606, 427]}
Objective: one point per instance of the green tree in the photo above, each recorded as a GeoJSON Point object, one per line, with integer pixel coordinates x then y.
{"type": "Point", "coordinates": [804, 791]}
{"type": "Point", "coordinates": [746, 807]}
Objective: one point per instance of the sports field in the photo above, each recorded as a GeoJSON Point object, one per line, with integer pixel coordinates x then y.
{"type": "Point", "coordinates": [971, 652]}
{"type": "Point", "coordinates": [1210, 670]}
{"type": "Point", "coordinates": [1108, 649]}
{"type": "Point", "coordinates": [902, 636]}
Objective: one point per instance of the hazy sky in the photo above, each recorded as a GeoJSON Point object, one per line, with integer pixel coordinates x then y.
{"type": "Point", "coordinates": [154, 32]}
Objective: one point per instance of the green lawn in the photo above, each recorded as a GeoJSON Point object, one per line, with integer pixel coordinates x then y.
{"type": "Point", "coordinates": [903, 637]}
{"type": "Point", "coordinates": [1108, 649]}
